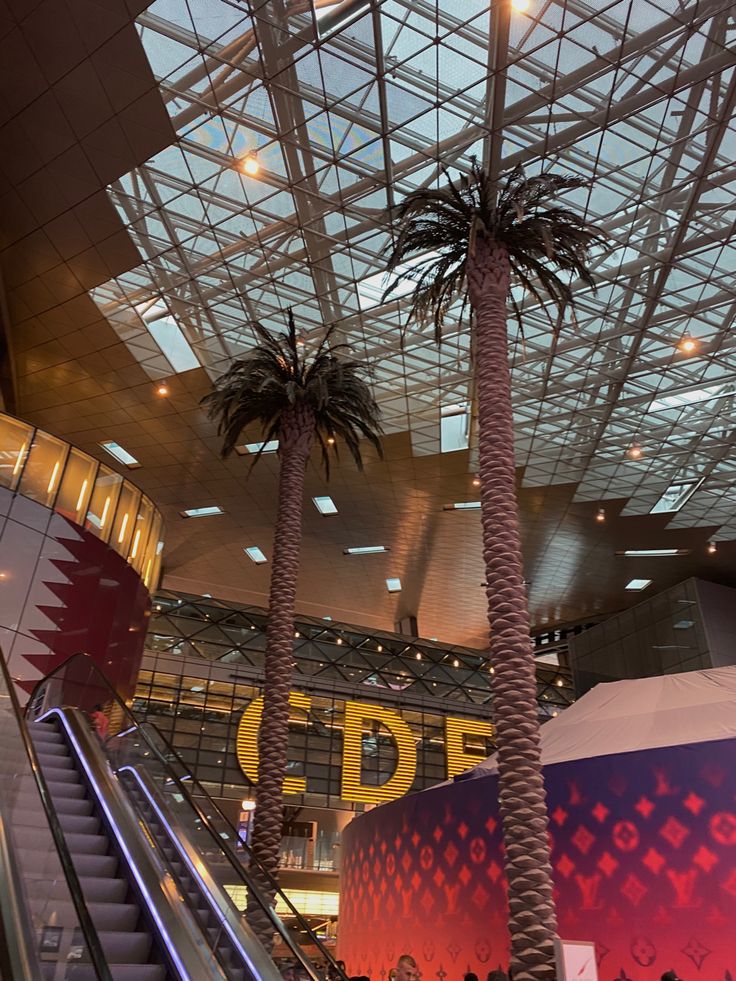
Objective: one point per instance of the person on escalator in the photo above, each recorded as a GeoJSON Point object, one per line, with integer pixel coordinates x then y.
{"type": "Point", "coordinates": [100, 721]}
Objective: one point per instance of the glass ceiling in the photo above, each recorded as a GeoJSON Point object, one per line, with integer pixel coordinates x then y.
{"type": "Point", "coordinates": [349, 106]}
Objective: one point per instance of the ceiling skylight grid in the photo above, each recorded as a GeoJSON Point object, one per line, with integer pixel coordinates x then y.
{"type": "Point", "coordinates": [219, 248]}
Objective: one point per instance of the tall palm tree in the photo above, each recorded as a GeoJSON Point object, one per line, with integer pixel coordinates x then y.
{"type": "Point", "coordinates": [298, 400]}
{"type": "Point", "coordinates": [472, 240]}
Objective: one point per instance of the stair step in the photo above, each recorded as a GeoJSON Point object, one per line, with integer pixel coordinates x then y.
{"type": "Point", "coordinates": [99, 890]}
{"type": "Point", "coordinates": [104, 866]}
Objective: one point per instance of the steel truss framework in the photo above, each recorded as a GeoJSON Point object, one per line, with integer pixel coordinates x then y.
{"type": "Point", "coordinates": [350, 105]}
{"type": "Point", "coordinates": [327, 652]}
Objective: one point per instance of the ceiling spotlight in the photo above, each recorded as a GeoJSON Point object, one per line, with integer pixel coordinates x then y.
{"type": "Point", "coordinates": [521, 5]}
{"type": "Point", "coordinates": [331, 440]}
{"type": "Point", "coordinates": [162, 389]}
{"type": "Point", "coordinates": [635, 452]}
{"type": "Point", "coordinates": [600, 515]}
{"type": "Point", "coordinates": [688, 344]}
{"type": "Point", "coordinates": [712, 548]}
{"type": "Point", "coordinates": [476, 481]}
{"type": "Point", "coordinates": [251, 165]}
{"type": "Point", "coordinates": [301, 340]}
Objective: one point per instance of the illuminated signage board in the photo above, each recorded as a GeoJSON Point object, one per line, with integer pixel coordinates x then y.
{"type": "Point", "coordinates": [360, 718]}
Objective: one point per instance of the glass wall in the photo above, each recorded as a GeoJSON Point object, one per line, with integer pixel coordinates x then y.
{"type": "Point", "coordinates": [59, 476]}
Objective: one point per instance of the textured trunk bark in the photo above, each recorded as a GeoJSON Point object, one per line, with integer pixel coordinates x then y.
{"type": "Point", "coordinates": [295, 441]}
{"type": "Point", "coordinates": [522, 798]}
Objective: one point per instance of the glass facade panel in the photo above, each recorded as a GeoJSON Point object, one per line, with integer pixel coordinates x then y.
{"type": "Point", "coordinates": [122, 526]}
{"type": "Point", "coordinates": [48, 470]}
{"type": "Point", "coordinates": [76, 486]}
{"type": "Point", "coordinates": [44, 468]}
{"type": "Point", "coordinates": [15, 440]}
{"type": "Point", "coordinates": [103, 505]}
{"type": "Point", "coordinates": [141, 533]}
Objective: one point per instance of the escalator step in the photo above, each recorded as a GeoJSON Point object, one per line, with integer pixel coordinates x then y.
{"type": "Point", "coordinates": [64, 790]}
{"type": "Point", "coordinates": [114, 916]}
{"type": "Point", "coordinates": [123, 947]}
{"type": "Point", "coordinates": [99, 890]}
{"type": "Point", "coordinates": [120, 972]}
{"type": "Point", "coordinates": [81, 824]}
{"type": "Point", "coordinates": [47, 749]}
{"type": "Point", "coordinates": [78, 804]}
{"type": "Point", "coordinates": [45, 735]}
{"type": "Point", "coordinates": [87, 844]}
{"type": "Point", "coordinates": [61, 775]}
{"type": "Point", "coordinates": [103, 866]}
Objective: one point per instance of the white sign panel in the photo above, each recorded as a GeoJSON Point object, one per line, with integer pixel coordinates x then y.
{"type": "Point", "coordinates": [576, 960]}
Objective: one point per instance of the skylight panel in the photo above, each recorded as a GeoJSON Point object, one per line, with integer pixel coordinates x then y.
{"type": "Point", "coordinates": [120, 454]}
{"type": "Point", "coordinates": [636, 585]}
{"type": "Point", "coordinates": [454, 427]}
{"type": "Point", "coordinates": [338, 14]}
{"type": "Point", "coordinates": [372, 288]}
{"type": "Point", "coordinates": [201, 512]}
{"type": "Point", "coordinates": [264, 447]}
{"type": "Point", "coordinates": [393, 585]}
{"type": "Point", "coordinates": [682, 399]}
{"type": "Point", "coordinates": [676, 496]}
{"type": "Point", "coordinates": [255, 554]}
{"type": "Point", "coordinates": [365, 550]}
{"type": "Point", "coordinates": [174, 346]}
{"type": "Point", "coordinates": [325, 504]}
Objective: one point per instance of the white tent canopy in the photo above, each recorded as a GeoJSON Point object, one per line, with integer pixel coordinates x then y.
{"type": "Point", "coordinates": [626, 716]}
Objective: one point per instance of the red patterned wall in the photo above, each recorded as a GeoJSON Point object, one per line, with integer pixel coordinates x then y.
{"type": "Point", "coordinates": [62, 590]}
{"type": "Point", "coordinates": [644, 852]}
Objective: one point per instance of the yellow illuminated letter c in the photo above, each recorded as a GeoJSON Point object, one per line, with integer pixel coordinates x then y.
{"type": "Point", "coordinates": [247, 740]}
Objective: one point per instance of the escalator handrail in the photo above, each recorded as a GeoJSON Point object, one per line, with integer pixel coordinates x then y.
{"type": "Point", "coordinates": [89, 932]}
{"type": "Point", "coordinates": [185, 790]}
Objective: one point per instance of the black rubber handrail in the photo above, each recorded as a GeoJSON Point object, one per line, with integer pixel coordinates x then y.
{"type": "Point", "coordinates": [89, 932]}
{"type": "Point", "coordinates": [185, 789]}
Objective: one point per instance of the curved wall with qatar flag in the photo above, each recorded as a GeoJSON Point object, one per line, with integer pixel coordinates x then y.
{"type": "Point", "coordinates": [644, 845]}
{"type": "Point", "coordinates": [80, 549]}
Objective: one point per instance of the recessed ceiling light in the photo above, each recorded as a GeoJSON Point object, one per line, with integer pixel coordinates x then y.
{"type": "Point", "coordinates": [393, 585]}
{"type": "Point", "coordinates": [255, 554]}
{"type": "Point", "coordinates": [201, 512]}
{"type": "Point", "coordinates": [634, 585]}
{"type": "Point", "coordinates": [265, 447]}
{"type": "Point", "coordinates": [120, 454]}
{"type": "Point", "coordinates": [365, 550]}
{"type": "Point", "coordinates": [463, 506]}
{"type": "Point", "coordinates": [325, 504]}
{"type": "Point", "coordinates": [653, 553]}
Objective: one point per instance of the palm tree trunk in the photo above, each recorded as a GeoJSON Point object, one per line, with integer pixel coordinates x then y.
{"type": "Point", "coordinates": [522, 798]}
{"type": "Point", "coordinates": [295, 441]}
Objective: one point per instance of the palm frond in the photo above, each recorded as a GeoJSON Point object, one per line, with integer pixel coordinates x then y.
{"type": "Point", "coordinates": [438, 229]}
{"type": "Point", "coordinates": [264, 387]}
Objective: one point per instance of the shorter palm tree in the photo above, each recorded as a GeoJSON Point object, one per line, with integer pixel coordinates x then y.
{"type": "Point", "coordinates": [297, 400]}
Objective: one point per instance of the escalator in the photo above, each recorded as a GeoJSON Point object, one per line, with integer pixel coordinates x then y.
{"type": "Point", "coordinates": [119, 920]}
{"type": "Point", "coordinates": [147, 867]}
